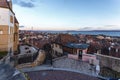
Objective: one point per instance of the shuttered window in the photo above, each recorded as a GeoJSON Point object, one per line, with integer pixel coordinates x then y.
{"type": "Point", "coordinates": [11, 19]}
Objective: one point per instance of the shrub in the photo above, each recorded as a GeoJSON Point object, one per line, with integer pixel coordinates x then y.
{"type": "Point", "coordinates": [107, 72]}
{"type": "Point", "coordinates": [3, 53]}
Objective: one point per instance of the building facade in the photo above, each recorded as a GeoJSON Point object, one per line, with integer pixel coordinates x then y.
{"type": "Point", "coordinates": [16, 35]}
{"type": "Point", "coordinates": [57, 50]}
{"type": "Point", "coordinates": [8, 27]}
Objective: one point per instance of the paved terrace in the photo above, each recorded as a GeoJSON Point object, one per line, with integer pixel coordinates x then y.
{"type": "Point", "coordinates": [36, 71]}
{"type": "Point", "coordinates": [58, 75]}
{"type": "Point", "coordinates": [62, 71]}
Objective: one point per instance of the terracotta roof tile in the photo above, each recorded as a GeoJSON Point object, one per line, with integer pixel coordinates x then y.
{"type": "Point", "coordinates": [4, 3]}
{"type": "Point", "coordinates": [66, 38]}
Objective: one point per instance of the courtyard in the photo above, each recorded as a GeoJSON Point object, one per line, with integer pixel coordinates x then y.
{"type": "Point", "coordinates": [58, 75]}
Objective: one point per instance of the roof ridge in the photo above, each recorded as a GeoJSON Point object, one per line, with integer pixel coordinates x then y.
{"type": "Point", "coordinates": [4, 3]}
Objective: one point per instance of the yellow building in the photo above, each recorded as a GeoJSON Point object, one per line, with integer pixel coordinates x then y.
{"type": "Point", "coordinates": [9, 27]}
{"type": "Point", "coordinates": [16, 35]}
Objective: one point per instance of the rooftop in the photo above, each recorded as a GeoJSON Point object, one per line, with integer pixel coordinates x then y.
{"type": "Point", "coordinates": [4, 3]}
{"type": "Point", "coordinates": [65, 38]}
{"type": "Point", "coordinates": [77, 45]}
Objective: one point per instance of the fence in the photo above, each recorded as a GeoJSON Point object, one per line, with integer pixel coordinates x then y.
{"type": "Point", "coordinates": [27, 58]}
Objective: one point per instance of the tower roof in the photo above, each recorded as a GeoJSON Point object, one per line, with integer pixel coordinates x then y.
{"type": "Point", "coordinates": [4, 3]}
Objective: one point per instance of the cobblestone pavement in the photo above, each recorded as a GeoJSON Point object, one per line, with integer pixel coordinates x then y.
{"type": "Point", "coordinates": [58, 75]}
{"type": "Point", "coordinates": [77, 65]}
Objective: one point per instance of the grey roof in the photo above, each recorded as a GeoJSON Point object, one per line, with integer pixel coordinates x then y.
{"type": "Point", "coordinates": [77, 45]}
{"type": "Point", "coordinates": [9, 73]}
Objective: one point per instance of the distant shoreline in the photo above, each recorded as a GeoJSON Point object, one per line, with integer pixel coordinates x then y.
{"type": "Point", "coordinates": [112, 33]}
{"type": "Point", "coordinates": [74, 30]}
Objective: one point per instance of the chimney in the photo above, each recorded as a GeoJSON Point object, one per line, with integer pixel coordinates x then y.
{"type": "Point", "coordinates": [10, 3]}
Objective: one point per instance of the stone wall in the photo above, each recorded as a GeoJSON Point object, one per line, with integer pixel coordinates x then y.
{"type": "Point", "coordinates": [110, 62]}
{"type": "Point", "coordinates": [4, 38]}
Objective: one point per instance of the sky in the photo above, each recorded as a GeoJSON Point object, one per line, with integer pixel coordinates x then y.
{"type": "Point", "coordinates": [68, 14]}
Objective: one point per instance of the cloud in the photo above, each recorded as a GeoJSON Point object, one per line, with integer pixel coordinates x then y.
{"type": "Point", "coordinates": [86, 28]}
{"type": "Point", "coordinates": [101, 27]}
{"type": "Point", "coordinates": [25, 3]}
{"type": "Point", "coordinates": [111, 26]}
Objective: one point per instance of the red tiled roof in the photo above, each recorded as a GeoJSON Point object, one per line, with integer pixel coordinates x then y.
{"type": "Point", "coordinates": [66, 38]}
{"type": "Point", "coordinates": [4, 3]}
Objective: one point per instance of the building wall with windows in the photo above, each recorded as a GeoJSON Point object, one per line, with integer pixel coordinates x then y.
{"type": "Point", "coordinates": [4, 38]}
{"type": "Point", "coordinates": [57, 50]}
{"type": "Point", "coordinates": [16, 35]}
{"type": "Point", "coordinates": [4, 16]}
{"type": "Point", "coordinates": [6, 29]}
{"type": "Point", "coordinates": [8, 39]}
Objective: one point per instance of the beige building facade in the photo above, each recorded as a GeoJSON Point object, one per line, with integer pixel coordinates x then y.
{"type": "Point", "coordinates": [9, 27]}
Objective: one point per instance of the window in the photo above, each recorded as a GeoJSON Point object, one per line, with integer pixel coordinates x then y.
{"type": "Point", "coordinates": [11, 19]}
{"type": "Point", "coordinates": [52, 46]}
{"type": "Point", "coordinates": [1, 32]}
{"type": "Point", "coordinates": [80, 52]}
{"type": "Point", "coordinates": [11, 30]}
{"type": "Point", "coordinates": [60, 47]}
{"type": "Point", "coordinates": [14, 37]}
{"type": "Point", "coordinates": [55, 45]}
